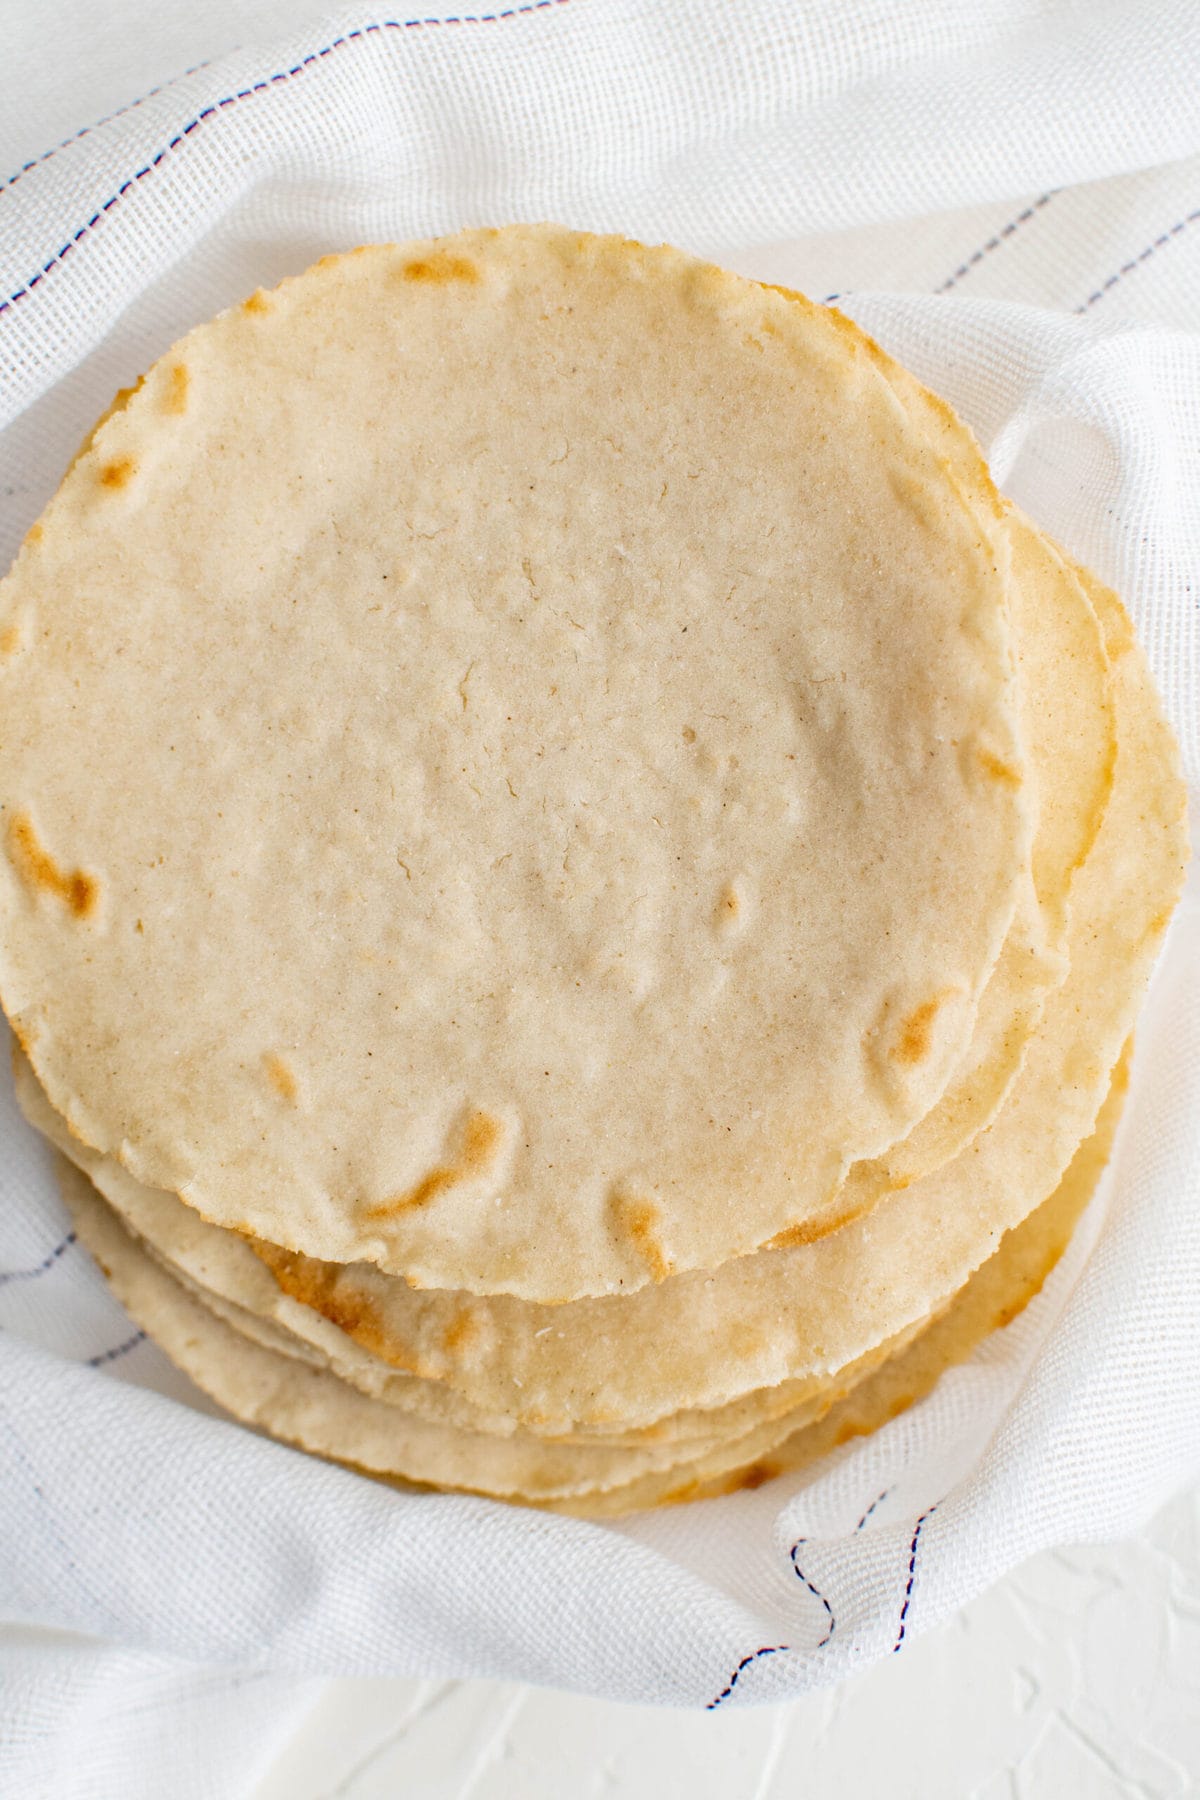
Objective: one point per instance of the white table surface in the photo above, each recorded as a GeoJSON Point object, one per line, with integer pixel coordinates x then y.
{"type": "Point", "coordinates": [1077, 1676]}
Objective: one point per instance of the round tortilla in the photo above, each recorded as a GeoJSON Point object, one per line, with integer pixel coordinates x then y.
{"type": "Point", "coordinates": [510, 770]}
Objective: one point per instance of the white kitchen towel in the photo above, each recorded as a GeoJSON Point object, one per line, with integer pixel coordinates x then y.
{"type": "Point", "coordinates": [1008, 196]}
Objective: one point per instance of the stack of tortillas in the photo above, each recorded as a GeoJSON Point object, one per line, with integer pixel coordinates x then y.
{"type": "Point", "coordinates": [575, 881]}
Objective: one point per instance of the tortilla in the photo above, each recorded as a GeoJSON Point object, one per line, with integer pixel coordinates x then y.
{"type": "Point", "coordinates": [510, 768]}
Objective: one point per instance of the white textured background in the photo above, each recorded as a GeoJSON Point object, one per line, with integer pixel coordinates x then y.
{"type": "Point", "coordinates": [1079, 1675]}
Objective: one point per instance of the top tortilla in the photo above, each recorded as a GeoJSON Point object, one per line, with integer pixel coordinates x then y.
{"type": "Point", "coordinates": [509, 769]}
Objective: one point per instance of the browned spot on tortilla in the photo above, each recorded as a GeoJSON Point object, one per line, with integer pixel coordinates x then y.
{"type": "Point", "coordinates": [10, 641]}
{"type": "Point", "coordinates": [481, 1140]}
{"type": "Point", "coordinates": [78, 891]}
{"type": "Point", "coordinates": [35, 533]}
{"type": "Point", "coordinates": [678, 1495]}
{"type": "Point", "coordinates": [997, 769]}
{"type": "Point", "coordinates": [729, 906]}
{"type": "Point", "coordinates": [428, 1188]}
{"type": "Point", "coordinates": [118, 403]}
{"type": "Point", "coordinates": [482, 1136]}
{"type": "Point", "coordinates": [689, 735]}
{"type": "Point", "coordinates": [176, 397]}
{"type": "Point", "coordinates": [118, 473]}
{"type": "Point", "coordinates": [326, 1288]}
{"type": "Point", "coordinates": [773, 287]}
{"type": "Point", "coordinates": [461, 1332]}
{"type": "Point", "coordinates": [637, 1219]}
{"type": "Point", "coordinates": [754, 1475]}
{"type": "Point", "coordinates": [257, 302]}
{"type": "Point", "coordinates": [280, 1076]}
{"type": "Point", "coordinates": [440, 268]}
{"type": "Point", "coordinates": [853, 1428]}
{"type": "Point", "coordinates": [809, 1231]}
{"type": "Point", "coordinates": [793, 1235]}
{"type": "Point", "coordinates": [1159, 922]}
{"type": "Point", "coordinates": [916, 1032]}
